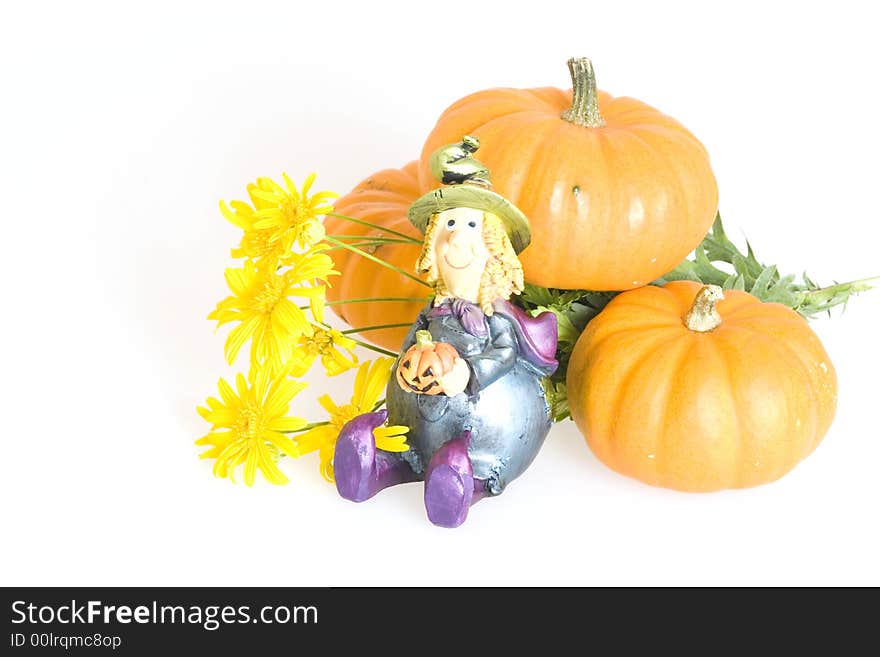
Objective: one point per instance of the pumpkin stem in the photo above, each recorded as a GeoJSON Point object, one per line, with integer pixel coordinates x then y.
{"type": "Point", "coordinates": [703, 316]}
{"type": "Point", "coordinates": [423, 339]}
{"type": "Point", "coordinates": [584, 110]}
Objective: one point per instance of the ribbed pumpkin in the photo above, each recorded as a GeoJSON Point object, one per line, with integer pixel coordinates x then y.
{"type": "Point", "coordinates": [617, 192]}
{"type": "Point", "coordinates": [382, 199]}
{"type": "Point", "coordinates": [677, 389]}
{"type": "Point", "coordinates": [425, 364]}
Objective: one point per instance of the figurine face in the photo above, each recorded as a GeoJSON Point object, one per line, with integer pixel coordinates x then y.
{"type": "Point", "coordinates": [460, 252]}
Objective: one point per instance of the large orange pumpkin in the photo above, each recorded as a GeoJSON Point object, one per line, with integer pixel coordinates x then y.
{"type": "Point", "coordinates": [676, 392]}
{"type": "Point", "coordinates": [617, 192]}
{"type": "Point", "coordinates": [382, 199]}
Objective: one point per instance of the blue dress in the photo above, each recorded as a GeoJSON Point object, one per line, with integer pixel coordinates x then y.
{"type": "Point", "coordinates": [504, 406]}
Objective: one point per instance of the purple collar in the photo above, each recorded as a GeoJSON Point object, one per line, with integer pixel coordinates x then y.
{"type": "Point", "coordinates": [536, 336]}
{"type": "Point", "coordinates": [469, 314]}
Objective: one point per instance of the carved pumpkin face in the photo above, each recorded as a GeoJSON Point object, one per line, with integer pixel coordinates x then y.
{"type": "Point", "coordinates": [422, 366]}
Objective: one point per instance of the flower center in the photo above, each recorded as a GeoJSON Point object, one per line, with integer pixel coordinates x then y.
{"type": "Point", "coordinates": [323, 341]}
{"type": "Point", "coordinates": [344, 415]}
{"type": "Point", "coordinates": [294, 213]}
{"type": "Point", "coordinates": [259, 243]}
{"type": "Point", "coordinates": [249, 423]}
{"type": "Point", "coordinates": [265, 300]}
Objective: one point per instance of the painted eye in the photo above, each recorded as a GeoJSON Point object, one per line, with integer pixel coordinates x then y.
{"type": "Point", "coordinates": [450, 223]}
{"type": "Point", "coordinates": [472, 224]}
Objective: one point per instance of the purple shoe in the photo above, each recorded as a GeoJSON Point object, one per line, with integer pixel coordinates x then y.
{"type": "Point", "coordinates": [359, 468]}
{"type": "Point", "coordinates": [450, 487]}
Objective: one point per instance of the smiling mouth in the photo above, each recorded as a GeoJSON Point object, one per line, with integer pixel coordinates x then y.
{"type": "Point", "coordinates": [456, 266]}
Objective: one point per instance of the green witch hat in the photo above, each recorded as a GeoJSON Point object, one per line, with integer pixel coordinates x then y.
{"type": "Point", "coordinates": [468, 186]}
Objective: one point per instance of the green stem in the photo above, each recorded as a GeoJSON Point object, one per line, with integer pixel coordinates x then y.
{"type": "Point", "coordinates": [370, 299]}
{"type": "Point", "coordinates": [372, 347]}
{"type": "Point", "coordinates": [377, 226]}
{"type": "Point", "coordinates": [363, 244]}
{"type": "Point", "coordinates": [310, 425]}
{"type": "Point", "coordinates": [366, 345]}
{"type": "Point", "coordinates": [345, 302]}
{"type": "Point", "coordinates": [377, 327]}
{"type": "Point", "coordinates": [584, 110]}
{"type": "Point", "coordinates": [377, 240]}
{"type": "Point", "coordinates": [821, 299]}
{"type": "Point", "coordinates": [378, 261]}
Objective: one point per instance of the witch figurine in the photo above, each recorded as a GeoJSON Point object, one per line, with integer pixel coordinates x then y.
{"type": "Point", "coordinates": [468, 380]}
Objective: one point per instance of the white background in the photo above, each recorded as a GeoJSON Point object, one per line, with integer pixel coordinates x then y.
{"type": "Point", "coordinates": [123, 125]}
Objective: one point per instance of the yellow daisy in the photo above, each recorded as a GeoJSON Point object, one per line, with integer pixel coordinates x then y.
{"type": "Point", "coordinates": [325, 343]}
{"type": "Point", "coordinates": [311, 265]}
{"type": "Point", "coordinates": [254, 243]}
{"type": "Point", "coordinates": [267, 317]}
{"type": "Point", "coordinates": [291, 215]}
{"type": "Point", "coordinates": [368, 385]}
{"type": "Point", "coordinates": [306, 268]}
{"type": "Point", "coordinates": [247, 425]}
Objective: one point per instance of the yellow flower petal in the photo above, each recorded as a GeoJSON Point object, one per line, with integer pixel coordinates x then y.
{"type": "Point", "coordinates": [269, 468]}
{"type": "Point", "coordinates": [284, 443]}
{"type": "Point", "coordinates": [282, 393]}
{"type": "Point", "coordinates": [316, 303]}
{"type": "Point", "coordinates": [371, 382]}
{"type": "Point", "coordinates": [286, 424]}
{"type": "Point", "coordinates": [226, 393]}
{"type": "Point", "coordinates": [327, 463]}
{"type": "Point", "coordinates": [290, 317]}
{"type": "Point", "coordinates": [344, 341]}
{"type": "Point", "coordinates": [250, 466]}
{"type": "Point", "coordinates": [216, 438]}
{"type": "Point", "coordinates": [328, 404]}
{"type": "Point", "coordinates": [315, 438]}
{"type": "Point", "coordinates": [391, 439]}
{"type": "Point", "coordinates": [247, 421]}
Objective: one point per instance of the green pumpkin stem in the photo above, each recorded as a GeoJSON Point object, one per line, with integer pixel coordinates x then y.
{"type": "Point", "coordinates": [584, 110]}
{"type": "Point", "coordinates": [423, 339]}
{"type": "Point", "coordinates": [703, 316]}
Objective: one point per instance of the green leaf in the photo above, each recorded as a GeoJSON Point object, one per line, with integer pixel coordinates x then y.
{"type": "Point", "coordinates": [814, 301]}
{"type": "Point", "coordinates": [557, 398]}
{"type": "Point", "coordinates": [566, 331]}
{"type": "Point", "coordinates": [804, 296]}
{"type": "Point", "coordinates": [686, 271]}
{"type": "Point", "coordinates": [729, 282]}
{"type": "Point", "coordinates": [762, 284]}
{"type": "Point", "coordinates": [741, 265]}
{"type": "Point", "coordinates": [536, 295]}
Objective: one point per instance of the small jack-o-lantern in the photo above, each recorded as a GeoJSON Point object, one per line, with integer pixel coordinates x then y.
{"type": "Point", "coordinates": [424, 364]}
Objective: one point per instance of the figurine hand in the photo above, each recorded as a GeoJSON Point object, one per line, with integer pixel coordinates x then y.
{"type": "Point", "coordinates": [456, 380]}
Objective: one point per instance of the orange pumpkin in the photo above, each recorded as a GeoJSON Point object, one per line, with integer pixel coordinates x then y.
{"type": "Point", "coordinates": [424, 364]}
{"type": "Point", "coordinates": [382, 199]}
{"type": "Point", "coordinates": [617, 193]}
{"type": "Point", "coordinates": [677, 389]}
